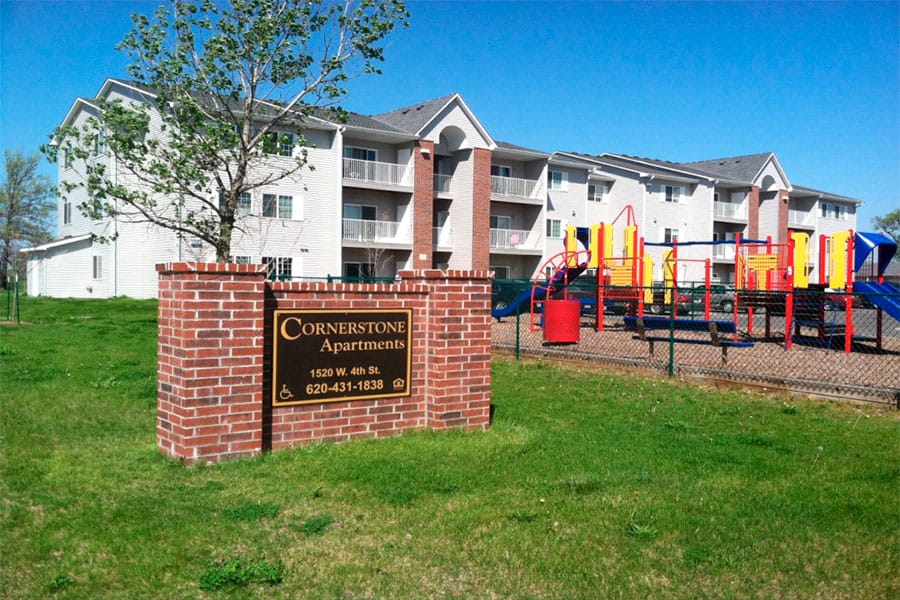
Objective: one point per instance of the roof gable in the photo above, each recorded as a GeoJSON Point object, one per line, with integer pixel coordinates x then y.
{"type": "Point", "coordinates": [747, 168]}
{"type": "Point", "coordinates": [422, 118]}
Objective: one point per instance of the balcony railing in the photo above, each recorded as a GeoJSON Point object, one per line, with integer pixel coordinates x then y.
{"type": "Point", "coordinates": [370, 171]}
{"type": "Point", "coordinates": [510, 238]}
{"type": "Point", "coordinates": [442, 237]}
{"type": "Point", "coordinates": [441, 184]}
{"type": "Point", "coordinates": [729, 210]}
{"type": "Point", "coordinates": [514, 187]}
{"type": "Point", "coordinates": [724, 251]}
{"type": "Point", "coordinates": [801, 218]}
{"type": "Point", "coordinates": [363, 230]}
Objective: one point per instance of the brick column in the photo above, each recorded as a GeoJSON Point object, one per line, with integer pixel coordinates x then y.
{"type": "Point", "coordinates": [458, 378]}
{"type": "Point", "coordinates": [753, 215]}
{"type": "Point", "coordinates": [423, 205]}
{"type": "Point", "coordinates": [210, 373]}
{"type": "Point", "coordinates": [481, 210]}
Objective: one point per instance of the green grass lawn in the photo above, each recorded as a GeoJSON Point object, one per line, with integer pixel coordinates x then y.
{"type": "Point", "coordinates": [588, 485]}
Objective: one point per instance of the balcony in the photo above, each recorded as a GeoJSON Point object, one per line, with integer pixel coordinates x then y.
{"type": "Point", "coordinates": [364, 230]}
{"type": "Point", "coordinates": [801, 218]}
{"type": "Point", "coordinates": [723, 252]}
{"type": "Point", "coordinates": [513, 188]}
{"type": "Point", "coordinates": [441, 184]}
{"type": "Point", "coordinates": [442, 237]}
{"type": "Point", "coordinates": [729, 210]}
{"type": "Point", "coordinates": [370, 173]}
{"type": "Point", "coordinates": [513, 239]}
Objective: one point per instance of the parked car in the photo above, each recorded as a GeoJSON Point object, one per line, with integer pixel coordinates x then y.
{"type": "Point", "coordinates": [838, 300]}
{"type": "Point", "coordinates": [683, 302]}
{"type": "Point", "coordinates": [721, 297]}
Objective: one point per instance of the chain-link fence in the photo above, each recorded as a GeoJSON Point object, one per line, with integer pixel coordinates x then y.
{"type": "Point", "coordinates": [817, 342]}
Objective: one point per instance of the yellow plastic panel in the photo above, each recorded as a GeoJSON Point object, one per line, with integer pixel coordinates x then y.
{"type": "Point", "coordinates": [630, 250]}
{"type": "Point", "coordinates": [838, 276]}
{"type": "Point", "coordinates": [596, 232]}
{"type": "Point", "coordinates": [572, 245]}
{"type": "Point", "coordinates": [801, 258]}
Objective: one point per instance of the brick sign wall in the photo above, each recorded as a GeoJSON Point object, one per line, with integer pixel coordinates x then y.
{"type": "Point", "coordinates": [216, 353]}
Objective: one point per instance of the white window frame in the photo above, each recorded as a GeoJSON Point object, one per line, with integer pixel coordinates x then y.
{"type": "Point", "coordinates": [240, 260]}
{"type": "Point", "coordinates": [495, 221]}
{"type": "Point", "coordinates": [361, 215]}
{"type": "Point", "coordinates": [670, 234]}
{"type": "Point", "coordinates": [99, 144]}
{"type": "Point", "coordinates": [281, 148]}
{"type": "Point", "coordinates": [245, 204]}
{"type": "Point", "coordinates": [278, 268]}
{"type": "Point", "coordinates": [348, 153]}
{"type": "Point", "coordinates": [593, 189]}
{"type": "Point", "coordinates": [275, 201]}
{"type": "Point", "coordinates": [672, 194]}
{"type": "Point", "coordinates": [558, 181]}
{"type": "Point", "coordinates": [500, 169]}
{"type": "Point", "coordinates": [555, 226]}
{"type": "Point", "coordinates": [67, 212]}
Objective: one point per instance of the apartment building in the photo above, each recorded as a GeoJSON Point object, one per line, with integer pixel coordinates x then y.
{"type": "Point", "coordinates": [426, 186]}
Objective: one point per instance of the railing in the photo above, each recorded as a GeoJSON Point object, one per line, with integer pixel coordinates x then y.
{"type": "Point", "coordinates": [724, 251]}
{"type": "Point", "coordinates": [802, 218]}
{"type": "Point", "coordinates": [441, 183]}
{"type": "Point", "coordinates": [442, 237]}
{"type": "Point", "coordinates": [371, 171]}
{"type": "Point", "coordinates": [363, 230]}
{"type": "Point", "coordinates": [510, 238]}
{"type": "Point", "coordinates": [729, 210]}
{"type": "Point", "coordinates": [515, 187]}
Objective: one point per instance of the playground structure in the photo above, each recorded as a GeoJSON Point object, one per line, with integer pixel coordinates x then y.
{"type": "Point", "coordinates": [769, 277]}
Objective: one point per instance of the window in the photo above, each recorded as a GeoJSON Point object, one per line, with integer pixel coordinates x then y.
{"type": "Point", "coordinates": [670, 235]}
{"type": "Point", "coordinates": [98, 267]}
{"type": "Point", "coordinates": [359, 212]}
{"type": "Point", "coordinates": [501, 171]}
{"type": "Point", "coordinates": [67, 212]}
{"type": "Point", "coordinates": [500, 222]}
{"type": "Point", "coordinates": [245, 202]}
{"type": "Point", "coordinates": [596, 192]}
{"type": "Point", "coordinates": [360, 153]}
{"type": "Point", "coordinates": [278, 268]}
{"type": "Point", "coordinates": [279, 142]}
{"type": "Point", "coordinates": [67, 159]}
{"type": "Point", "coordinates": [673, 193]}
{"type": "Point", "coordinates": [500, 272]}
{"type": "Point", "coordinates": [824, 208]}
{"type": "Point", "coordinates": [715, 196]}
{"type": "Point", "coordinates": [99, 144]}
{"type": "Point", "coordinates": [357, 270]}
{"type": "Point", "coordinates": [277, 207]}
{"type": "Point", "coordinates": [558, 180]}
{"type": "Point", "coordinates": [239, 260]}
{"type": "Point", "coordinates": [554, 228]}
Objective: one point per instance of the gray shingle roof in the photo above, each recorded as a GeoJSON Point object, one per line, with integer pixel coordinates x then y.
{"type": "Point", "coordinates": [800, 190]}
{"type": "Point", "coordinates": [650, 165]}
{"type": "Point", "coordinates": [738, 168]}
{"type": "Point", "coordinates": [508, 146]}
{"type": "Point", "coordinates": [413, 118]}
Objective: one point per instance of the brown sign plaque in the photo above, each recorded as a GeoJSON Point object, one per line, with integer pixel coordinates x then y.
{"type": "Point", "coordinates": [339, 355]}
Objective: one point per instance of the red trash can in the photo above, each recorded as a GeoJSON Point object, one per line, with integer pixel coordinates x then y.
{"type": "Point", "coordinates": [562, 321]}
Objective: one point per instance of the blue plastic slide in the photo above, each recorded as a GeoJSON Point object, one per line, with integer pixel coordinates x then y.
{"type": "Point", "coordinates": [523, 302]}
{"type": "Point", "coordinates": [885, 296]}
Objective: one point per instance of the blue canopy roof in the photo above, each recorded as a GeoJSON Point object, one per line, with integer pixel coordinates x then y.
{"type": "Point", "coordinates": [865, 243]}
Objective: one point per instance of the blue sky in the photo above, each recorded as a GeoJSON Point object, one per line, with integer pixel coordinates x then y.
{"type": "Point", "coordinates": [818, 83]}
